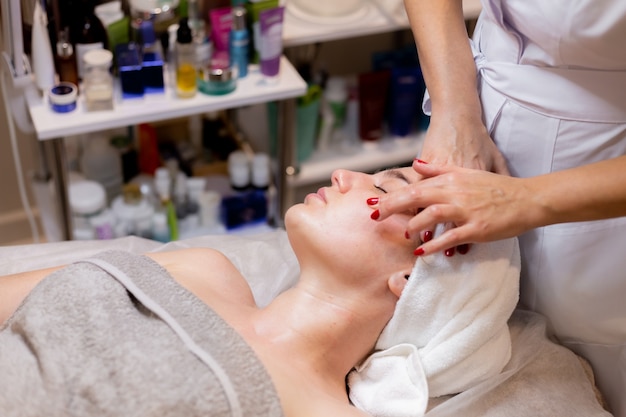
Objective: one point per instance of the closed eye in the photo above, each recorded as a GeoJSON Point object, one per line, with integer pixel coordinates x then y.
{"type": "Point", "coordinates": [379, 188]}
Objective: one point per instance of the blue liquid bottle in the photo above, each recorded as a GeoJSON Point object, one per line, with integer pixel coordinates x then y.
{"type": "Point", "coordinates": [239, 41]}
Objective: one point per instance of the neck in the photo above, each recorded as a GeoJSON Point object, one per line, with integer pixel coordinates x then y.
{"type": "Point", "coordinates": [326, 332]}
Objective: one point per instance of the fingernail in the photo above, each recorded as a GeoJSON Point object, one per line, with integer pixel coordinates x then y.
{"type": "Point", "coordinates": [418, 252]}
{"type": "Point", "coordinates": [463, 249]}
{"type": "Point", "coordinates": [372, 201]}
{"type": "Point", "coordinates": [375, 214]}
{"type": "Point", "coordinates": [406, 234]}
{"type": "Point", "coordinates": [428, 236]}
{"type": "Point", "coordinates": [420, 161]}
{"type": "Point", "coordinates": [449, 252]}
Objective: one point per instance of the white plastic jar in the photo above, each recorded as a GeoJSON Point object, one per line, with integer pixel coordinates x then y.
{"type": "Point", "coordinates": [90, 216]}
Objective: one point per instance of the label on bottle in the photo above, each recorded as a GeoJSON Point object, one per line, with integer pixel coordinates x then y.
{"type": "Point", "coordinates": [81, 50]}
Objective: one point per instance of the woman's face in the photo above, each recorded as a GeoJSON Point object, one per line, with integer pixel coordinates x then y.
{"type": "Point", "coordinates": [334, 225]}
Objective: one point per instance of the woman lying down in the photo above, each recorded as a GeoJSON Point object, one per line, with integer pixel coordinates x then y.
{"type": "Point", "coordinates": [179, 334]}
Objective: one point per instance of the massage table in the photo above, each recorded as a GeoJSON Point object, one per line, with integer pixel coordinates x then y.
{"type": "Point", "coordinates": [542, 377]}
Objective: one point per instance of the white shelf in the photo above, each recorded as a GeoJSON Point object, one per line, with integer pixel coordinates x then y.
{"type": "Point", "coordinates": [302, 29]}
{"type": "Point", "coordinates": [367, 157]}
{"type": "Point", "coordinates": [250, 90]}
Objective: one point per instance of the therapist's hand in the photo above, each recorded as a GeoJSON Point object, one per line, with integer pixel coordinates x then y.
{"type": "Point", "coordinates": [482, 206]}
{"type": "Point", "coordinates": [452, 139]}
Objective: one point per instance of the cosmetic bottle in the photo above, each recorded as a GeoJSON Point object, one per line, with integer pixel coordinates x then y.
{"type": "Point", "coordinates": [43, 62]}
{"type": "Point", "coordinates": [201, 41]}
{"type": "Point", "coordinates": [163, 187]}
{"type": "Point", "coordinates": [271, 42]}
{"type": "Point", "coordinates": [186, 83]}
{"type": "Point", "coordinates": [98, 81]}
{"type": "Point", "coordinates": [87, 32]}
{"type": "Point", "coordinates": [130, 70]}
{"type": "Point", "coordinates": [66, 59]}
{"type": "Point", "coordinates": [239, 43]}
{"type": "Point", "coordinates": [151, 60]}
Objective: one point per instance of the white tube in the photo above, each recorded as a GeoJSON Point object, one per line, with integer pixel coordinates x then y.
{"type": "Point", "coordinates": [43, 61]}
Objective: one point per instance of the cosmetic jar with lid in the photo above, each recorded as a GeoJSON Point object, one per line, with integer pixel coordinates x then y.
{"type": "Point", "coordinates": [62, 97]}
{"type": "Point", "coordinates": [217, 81]}
{"type": "Point", "coordinates": [97, 80]}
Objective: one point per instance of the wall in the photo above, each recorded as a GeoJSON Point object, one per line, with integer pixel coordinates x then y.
{"type": "Point", "coordinates": [14, 226]}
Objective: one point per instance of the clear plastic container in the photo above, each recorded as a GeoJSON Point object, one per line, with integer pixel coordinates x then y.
{"type": "Point", "coordinates": [97, 80]}
{"type": "Point", "coordinates": [101, 162]}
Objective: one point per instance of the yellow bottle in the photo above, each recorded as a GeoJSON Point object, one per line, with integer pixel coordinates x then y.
{"type": "Point", "coordinates": [186, 72]}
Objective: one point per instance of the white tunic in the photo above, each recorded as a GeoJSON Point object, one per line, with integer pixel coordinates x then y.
{"type": "Point", "coordinates": [552, 78]}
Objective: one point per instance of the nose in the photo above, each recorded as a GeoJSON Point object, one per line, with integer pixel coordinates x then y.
{"type": "Point", "coordinates": [344, 179]}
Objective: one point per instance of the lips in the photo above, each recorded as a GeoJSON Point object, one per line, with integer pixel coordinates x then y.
{"type": "Point", "coordinates": [322, 193]}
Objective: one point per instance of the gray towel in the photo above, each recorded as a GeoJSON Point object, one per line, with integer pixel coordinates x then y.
{"type": "Point", "coordinates": [83, 344]}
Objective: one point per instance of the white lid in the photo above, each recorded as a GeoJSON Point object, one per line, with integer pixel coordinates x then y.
{"type": "Point", "coordinates": [261, 170]}
{"type": "Point", "coordinates": [336, 89]}
{"type": "Point", "coordinates": [239, 169]}
{"type": "Point", "coordinates": [87, 197]}
{"type": "Point", "coordinates": [98, 57]}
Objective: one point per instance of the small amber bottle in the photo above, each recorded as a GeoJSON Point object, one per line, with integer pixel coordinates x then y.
{"type": "Point", "coordinates": [66, 60]}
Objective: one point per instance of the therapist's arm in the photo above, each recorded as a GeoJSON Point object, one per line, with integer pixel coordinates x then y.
{"type": "Point", "coordinates": [456, 135]}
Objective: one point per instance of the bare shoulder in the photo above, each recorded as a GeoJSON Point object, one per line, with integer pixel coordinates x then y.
{"type": "Point", "coordinates": [206, 272]}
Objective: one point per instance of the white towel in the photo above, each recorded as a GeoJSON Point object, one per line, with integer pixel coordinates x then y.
{"type": "Point", "coordinates": [448, 333]}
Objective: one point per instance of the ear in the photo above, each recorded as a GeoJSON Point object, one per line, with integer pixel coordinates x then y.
{"type": "Point", "coordinates": [397, 282]}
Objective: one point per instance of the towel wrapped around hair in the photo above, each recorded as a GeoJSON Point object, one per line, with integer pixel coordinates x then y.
{"type": "Point", "coordinates": [448, 333]}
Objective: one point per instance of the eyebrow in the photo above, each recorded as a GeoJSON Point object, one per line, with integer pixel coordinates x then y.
{"type": "Point", "coordinates": [396, 174]}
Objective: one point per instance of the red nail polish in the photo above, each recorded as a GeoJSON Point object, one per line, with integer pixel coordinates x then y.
{"type": "Point", "coordinates": [449, 252]}
{"type": "Point", "coordinates": [428, 236]}
{"type": "Point", "coordinates": [406, 234]}
{"type": "Point", "coordinates": [375, 214]}
{"type": "Point", "coordinates": [372, 201]}
{"type": "Point", "coordinates": [420, 161]}
{"type": "Point", "coordinates": [463, 249]}
{"type": "Point", "coordinates": [418, 252]}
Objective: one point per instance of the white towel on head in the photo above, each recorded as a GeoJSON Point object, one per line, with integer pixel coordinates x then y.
{"type": "Point", "coordinates": [451, 324]}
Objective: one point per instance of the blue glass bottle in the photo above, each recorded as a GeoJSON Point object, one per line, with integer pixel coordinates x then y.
{"type": "Point", "coordinates": [152, 64]}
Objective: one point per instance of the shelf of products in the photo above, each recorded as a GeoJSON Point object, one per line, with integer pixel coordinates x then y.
{"type": "Point", "coordinates": [250, 90]}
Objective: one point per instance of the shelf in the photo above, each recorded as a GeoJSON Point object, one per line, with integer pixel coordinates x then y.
{"type": "Point", "coordinates": [366, 157]}
{"type": "Point", "coordinates": [250, 90]}
{"type": "Point", "coordinates": [373, 18]}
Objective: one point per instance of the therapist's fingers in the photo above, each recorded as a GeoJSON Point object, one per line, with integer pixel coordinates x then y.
{"type": "Point", "coordinates": [451, 242]}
